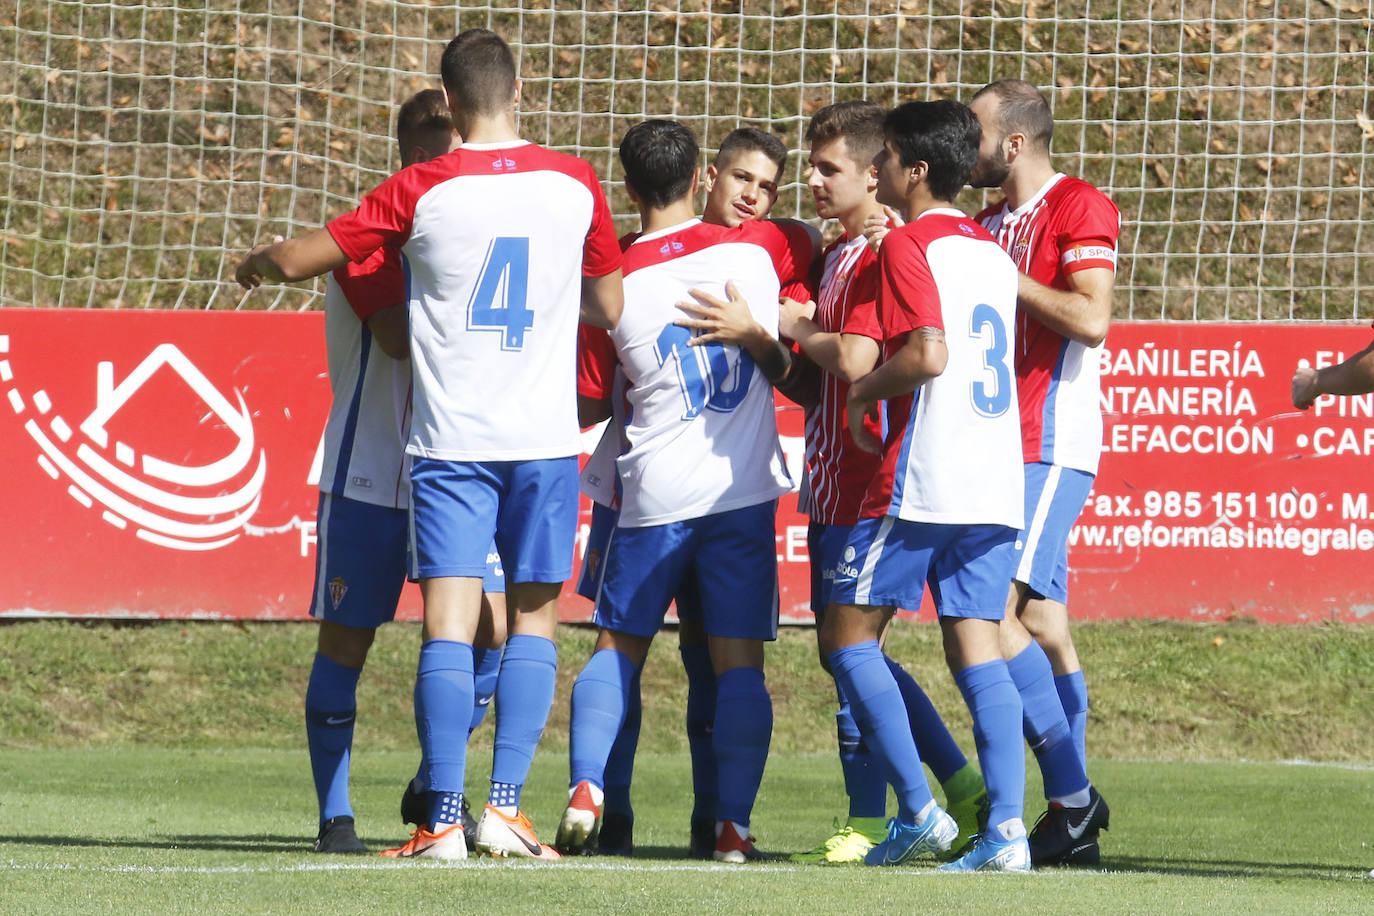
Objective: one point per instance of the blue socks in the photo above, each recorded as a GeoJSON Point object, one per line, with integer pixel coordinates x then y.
{"type": "Point", "coordinates": [934, 743]}
{"type": "Point", "coordinates": [598, 709]}
{"type": "Point", "coordinates": [330, 708]}
{"type": "Point", "coordinates": [996, 708]}
{"type": "Point", "coordinates": [524, 694]}
{"type": "Point", "coordinates": [701, 718]}
{"type": "Point", "coordinates": [1073, 696]}
{"type": "Point", "coordinates": [743, 730]}
{"type": "Point", "coordinates": [620, 764]}
{"type": "Point", "coordinates": [1044, 724]}
{"type": "Point", "coordinates": [864, 677]}
{"type": "Point", "coordinates": [864, 780]}
{"type": "Point", "coordinates": [443, 683]}
{"type": "Point", "coordinates": [486, 666]}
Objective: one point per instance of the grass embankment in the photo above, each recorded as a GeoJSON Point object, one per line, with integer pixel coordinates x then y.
{"type": "Point", "coordinates": [1159, 690]}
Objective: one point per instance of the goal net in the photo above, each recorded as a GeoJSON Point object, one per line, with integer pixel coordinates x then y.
{"type": "Point", "coordinates": [146, 145]}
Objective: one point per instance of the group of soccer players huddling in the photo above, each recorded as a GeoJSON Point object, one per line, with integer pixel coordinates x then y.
{"type": "Point", "coordinates": [480, 311]}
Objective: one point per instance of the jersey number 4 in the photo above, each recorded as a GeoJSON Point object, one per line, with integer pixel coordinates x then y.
{"type": "Point", "coordinates": [498, 302]}
{"type": "Point", "coordinates": [704, 388]}
{"type": "Point", "coordinates": [991, 400]}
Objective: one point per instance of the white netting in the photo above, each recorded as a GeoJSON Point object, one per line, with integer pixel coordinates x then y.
{"type": "Point", "coordinates": [149, 144]}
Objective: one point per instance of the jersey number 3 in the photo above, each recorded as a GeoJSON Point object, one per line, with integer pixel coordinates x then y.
{"type": "Point", "coordinates": [704, 389]}
{"type": "Point", "coordinates": [994, 399]}
{"type": "Point", "coordinates": [498, 302]}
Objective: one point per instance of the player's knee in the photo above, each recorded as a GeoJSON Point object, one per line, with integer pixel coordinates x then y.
{"type": "Point", "coordinates": [343, 645]}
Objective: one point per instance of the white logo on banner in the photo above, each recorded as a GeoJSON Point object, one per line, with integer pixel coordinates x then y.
{"type": "Point", "coordinates": [180, 506]}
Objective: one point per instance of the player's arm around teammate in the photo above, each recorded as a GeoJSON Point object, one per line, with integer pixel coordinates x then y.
{"type": "Point", "coordinates": [1354, 376]}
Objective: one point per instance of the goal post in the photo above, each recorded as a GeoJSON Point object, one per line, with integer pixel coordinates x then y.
{"type": "Point", "coordinates": [146, 145]}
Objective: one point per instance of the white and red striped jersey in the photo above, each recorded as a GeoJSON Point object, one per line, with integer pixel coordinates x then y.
{"type": "Point", "coordinates": [837, 470]}
{"type": "Point", "coordinates": [1067, 226]}
{"type": "Point", "coordinates": [700, 425]}
{"type": "Point", "coordinates": [952, 450]}
{"type": "Point", "coordinates": [364, 438]}
{"type": "Point", "coordinates": [497, 238]}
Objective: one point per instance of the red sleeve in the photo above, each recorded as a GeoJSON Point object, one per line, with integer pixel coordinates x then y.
{"type": "Point", "coordinates": [596, 362]}
{"type": "Point", "coordinates": [1089, 237]}
{"type": "Point", "coordinates": [384, 217]}
{"type": "Point", "coordinates": [601, 250]}
{"type": "Point", "coordinates": [861, 315]}
{"type": "Point", "coordinates": [374, 284]}
{"type": "Point", "coordinates": [907, 295]}
{"type": "Point", "coordinates": [794, 269]}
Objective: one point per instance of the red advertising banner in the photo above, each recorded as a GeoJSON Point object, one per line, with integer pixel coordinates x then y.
{"type": "Point", "coordinates": [165, 464]}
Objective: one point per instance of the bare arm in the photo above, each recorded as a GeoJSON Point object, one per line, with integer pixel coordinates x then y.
{"type": "Point", "coordinates": [603, 299]}
{"type": "Point", "coordinates": [1081, 313]}
{"type": "Point", "coordinates": [591, 411]}
{"type": "Point", "coordinates": [731, 322]}
{"type": "Point", "coordinates": [920, 359]}
{"type": "Point", "coordinates": [290, 260]}
{"type": "Point", "coordinates": [845, 356]}
{"type": "Point", "coordinates": [802, 383]}
{"type": "Point", "coordinates": [1354, 376]}
{"type": "Point", "coordinates": [390, 329]}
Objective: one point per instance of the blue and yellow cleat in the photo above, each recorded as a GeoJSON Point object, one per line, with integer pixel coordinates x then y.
{"type": "Point", "coordinates": [906, 841]}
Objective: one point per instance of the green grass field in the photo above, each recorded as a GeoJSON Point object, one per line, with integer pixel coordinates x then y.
{"type": "Point", "coordinates": [125, 830]}
{"type": "Point", "coordinates": [161, 768]}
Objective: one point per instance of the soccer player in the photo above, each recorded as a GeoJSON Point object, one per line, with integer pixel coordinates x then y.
{"type": "Point", "coordinates": [699, 481]}
{"type": "Point", "coordinates": [365, 491]}
{"type": "Point", "coordinates": [1062, 233]}
{"type": "Point", "coordinates": [741, 184]}
{"type": "Point", "coordinates": [841, 334]}
{"type": "Point", "coordinates": [946, 502]}
{"type": "Point", "coordinates": [502, 238]}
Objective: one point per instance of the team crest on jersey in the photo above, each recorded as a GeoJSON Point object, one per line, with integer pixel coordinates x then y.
{"type": "Point", "coordinates": [1018, 251]}
{"type": "Point", "coordinates": [337, 589]}
{"type": "Point", "coordinates": [501, 163]}
{"type": "Point", "coordinates": [673, 247]}
{"type": "Point", "coordinates": [968, 230]}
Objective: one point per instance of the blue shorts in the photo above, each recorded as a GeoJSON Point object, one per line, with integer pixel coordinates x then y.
{"type": "Point", "coordinates": [727, 562]}
{"type": "Point", "coordinates": [825, 544]}
{"type": "Point", "coordinates": [458, 508]}
{"type": "Point", "coordinates": [494, 579]}
{"type": "Point", "coordinates": [887, 561]}
{"type": "Point", "coordinates": [1054, 499]}
{"type": "Point", "coordinates": [603, 525]}
{"type": "Point", "coordinates": [360, 562]}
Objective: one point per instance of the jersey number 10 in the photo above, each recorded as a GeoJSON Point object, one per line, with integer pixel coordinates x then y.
{"type": "Point", "coordinates": [704, 388]}
{"type": "Point", "coordinates": [498, 302]}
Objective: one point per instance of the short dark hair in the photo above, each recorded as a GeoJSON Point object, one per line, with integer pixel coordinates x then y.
{"type": "Point", "coordinates": [743, 140]}
{"type": "Point", "coordinates": [423, 118]}
{"type": "Point", "coordinates": [660, 158]}
{"type": "Point", "coordinates": [944, 135]}
{"type": "Point", "coordinates": [478, 70]}
{"type": "Point", "coordinates": [1022, 110]}
{"type": "Point", "coordinates": [858, 121]}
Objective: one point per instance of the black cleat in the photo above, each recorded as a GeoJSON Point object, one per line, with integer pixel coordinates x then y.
{"type": "Point", "coordinates": [1068, 836]}
{"type": "Point", "coordinates": [414, 805]}
{"type": "Point", "coordinates": [337, 836]}
{"type": "Point", "coordinates": [617, 835]}
{"type": "Point", "coordinates": [703, 841]}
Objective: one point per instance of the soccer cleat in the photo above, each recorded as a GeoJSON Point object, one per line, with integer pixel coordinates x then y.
{"type": "Point", "coordinates": [971, 814]}
{"type": "Point", "coordinates": [577, 831]}
{"type": "Point", "coordinates": [905, 842]}
{"type": "Point", "coordinates": [992, 852]}
{"type": "Point", "coordinates": [1068, 836]}
{"type": "Point", "coordinates": [849, 843]}
{"type": "Point", "coordinates": [337, 836]}
{"type": "Point", "coordinates": [448, 844]}
{"type": "Point", "coordinates": [735, 849]}
{"type": "Point", "coordinates": [616, 836]}
{"type": "Point", "coordinates": [414, 804]}
{"type": "Point", "coordinates": [498, 835]}
{"type": "Point", "coordinates": [702, 842]}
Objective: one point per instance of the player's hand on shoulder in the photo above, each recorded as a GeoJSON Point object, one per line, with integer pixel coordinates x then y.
{"type": "Point", "coordinates": [790, 311]}
{"type": "Point", "coordinates": [1305, 389]}
{"type": "Point", "coordinates": [716, 320]}
{"type": "Point", "coordinates": [877, 226]}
